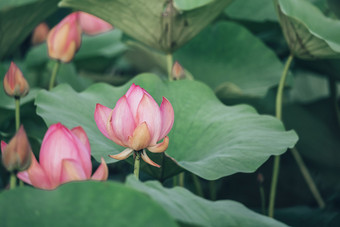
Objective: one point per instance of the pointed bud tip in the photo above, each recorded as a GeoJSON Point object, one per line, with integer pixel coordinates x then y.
{"type": "Point", "coordinates": [178, 72]}
{"type": "Point", "coordinates": [15, 84]}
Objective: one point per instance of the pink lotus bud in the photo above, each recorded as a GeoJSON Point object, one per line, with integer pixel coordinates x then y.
{"type": "Point", "coordinates": [16, 155]}
{"type": "Point", "coordinates": [260, 178]}
{"type": "Point", "coordinates": [40, 33]}
{"type": "Point", "coordinates": [136, 122]}
{"type": "Point", "coordinates": [178, 72]}
{"type": "Point", "coordinates": [65, 156]}
{"type": "Point", "coordinates": [92, 25]}
{"type": "Point", "coordinates": [64, 39]}
{"type": "Point", "coordinates": [15, 84]}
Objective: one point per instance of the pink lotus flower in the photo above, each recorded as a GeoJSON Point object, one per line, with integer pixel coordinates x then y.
{"type": "Point", "coordinates": [15, 84]}
{"type": "Point", "coordinates": [136, 122]}
{"type": "Point", "coordinates": [65, 155]}
{"type": "Point", "coordinates": [64, 39]}
{"type": "Point", "coordinates": [92, 25]}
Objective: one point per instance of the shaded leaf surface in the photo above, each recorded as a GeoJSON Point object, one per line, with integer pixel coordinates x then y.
{"type": "Point", "coordinates": [81, 204]}
{"type": "Point", "coordinates": [254, 10]}
{"type": "Point", "coordinates": [188, 208]}
{"type": "Point", "coordinates": [19, 18]}
{"type": "Point", "coordinates": [218, 54]}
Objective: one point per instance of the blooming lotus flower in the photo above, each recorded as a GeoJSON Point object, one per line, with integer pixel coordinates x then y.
{"type": "Point", "coordinates": [92, 25]}
{"type": "Point", "coordinates": [15, 84]}
{"type": "Point", "coordinates": [40, 33]}
{"type": "Point", "coordinates": [64, 39]}
{"type": "Point", "coordinates": [136, 122]}
{"type": "Point", "coordinates": [17, 154]}
{"type": "Point", "coordinates": [65, 156]}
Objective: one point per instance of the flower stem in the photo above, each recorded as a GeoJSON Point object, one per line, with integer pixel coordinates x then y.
{"type": "Point", "coordinates": [279, 94]}
{"type": "Point", "coordinates": [137, 164]}
{"type": "Point", "coordinates": [181, 179]}
{"type": "Point", "coordinates": [278, 114]}
{"type": "Point", "coordinates": [197, 184]}
{"type": "Point", "coordinates": [169, 62]}
{"type": "Point", "coordinates": [263, 199]}
{"type": "Point", "coordinates": [175, 181]}
{"type": "Point", "coordinates": [212, 189]}
{"type": "Point", "coordinates": [334, 98]}
{"type": "Point", "coordinates": [308, 177]}
{"type": "Point", "coordinates": [54, 74]}
{"type": "Point", "coordinates": [17, 113]}
{"type": "Point", "coordinates": [12, 181]}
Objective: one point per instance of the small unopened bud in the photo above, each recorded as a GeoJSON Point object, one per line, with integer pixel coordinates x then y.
{"type": "Point", "coordinates": [260, 178]}
{"type": "Point", "coordinates": [15, 84]}
{"type": "Point", "coordinates": [16, 155]}
{"type": "Point", "coordinates": [40, 33]}
{"type": "Point", "coordinates": [178, 72]}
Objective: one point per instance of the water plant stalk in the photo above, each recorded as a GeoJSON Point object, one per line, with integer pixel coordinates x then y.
{"type": "Point", "coordinates": [278, 114]}
{"type": "Point", "coordinates": [137, 164]}
{"type": "Point", "coordinates": [169, 61]}
{"type": "Point", "coordinates": [54, 74]}
{"type": "Point", "coordinates": [17, 113]}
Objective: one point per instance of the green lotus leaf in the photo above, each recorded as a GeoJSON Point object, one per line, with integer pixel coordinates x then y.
{"type": "Point", "coordinates": [208, 138]}
{"type": "Point", "coordinates": [309, 33]}
{"type": "Point", "coordinates": [81, 204]}
{"type": "Point", "coordinates": [156, 23]}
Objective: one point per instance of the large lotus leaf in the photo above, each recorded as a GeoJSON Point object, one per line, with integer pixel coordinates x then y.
{"type": "Point", "coordinates": [81, 204]}
{"type": "Point", "coordinates": [190, 209]}
{"type": "Point", "coordinates": [156, 23]}
{"type": "Point", "coordinates": [106, 45]}
{"type": "Point", "coordinates": [254, 10]}
{"type": "Point", "coordinates": [218, 54]}
{"type": "Point", "coordinates": [190, 4]}
{"type": "Point", "coordinates": [208, 138]}
{"type": "Point", "coordinates": [309, 34]}
{"type": "Point", "coordinates": [18, 18]}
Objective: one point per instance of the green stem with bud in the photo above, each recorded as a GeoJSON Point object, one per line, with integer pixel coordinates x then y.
{"type": "Point", "coordinates": [54, 74]}
{"type": "Point", "coordinates": [12, 181]}
{"type": "Point", "coordinates": [137, 164]}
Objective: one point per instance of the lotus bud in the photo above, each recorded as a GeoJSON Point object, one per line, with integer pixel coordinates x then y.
{"type": "Point", "coordinates": [64, 39]}
{"type": "Point", "coordinates": [136, 122]}
{"type": "Point", "coordinates": [40, 34]}
{"type": "Point", "coordinates": [16, 155]}
{"type": "Point", "coordinates": [15, 84]}
{"type": "Point", "coordinates": [92, 25]}
{"type": "Point", "coordinates": [178, 72]}
{"type": "Point", "coordinates": [260, 178]}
